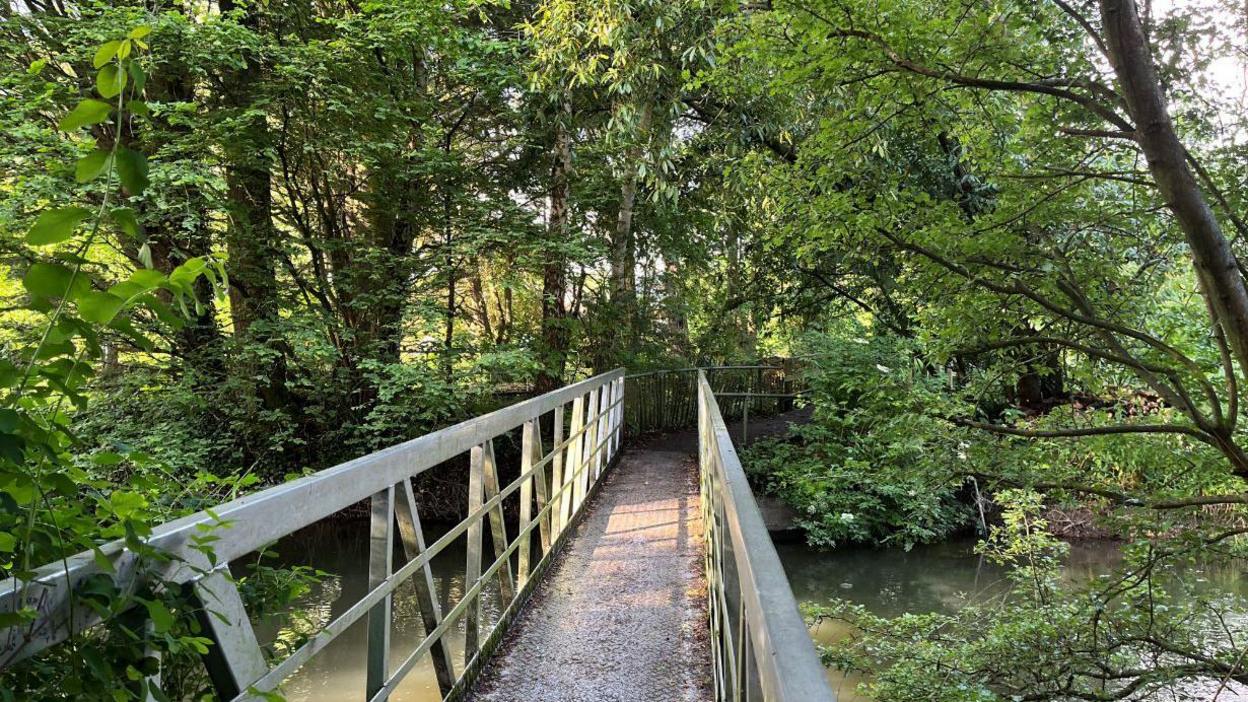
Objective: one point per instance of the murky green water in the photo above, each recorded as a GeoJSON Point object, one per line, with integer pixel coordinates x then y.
{"type": "Point", "coordinates": [944, 578]}
{"type": "Point", "coordinates": [340, 548]}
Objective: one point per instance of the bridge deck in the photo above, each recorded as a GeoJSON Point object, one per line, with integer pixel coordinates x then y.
{"type": "Point", "coordinates": [622, 614]}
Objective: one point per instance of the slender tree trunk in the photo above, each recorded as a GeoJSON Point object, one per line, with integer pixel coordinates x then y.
{"type": "Point", "coordinates": [624, 240]}
{"type": "Point", "coordinates": [1216, 266]}
{"type": "Point", "coordinates": [483, 308]}
{"type": "Point", "coordinates": [171, 241]}
{"type": "Point", "coordinates": [448, 342]}
{"type": "Point", "coordinates": [675, 294]}
{"type": "Point", "coordinates": [250, 237]}
{"type": "Point", "coordinates": [556, 336]}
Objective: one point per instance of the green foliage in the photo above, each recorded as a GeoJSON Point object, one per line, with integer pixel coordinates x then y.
{"type": "Point", "coordinates": [56, 504]}
{"type": "Point", "coordinates": [874, 466]}
{"type": "Point", "coordinates": [1023, 542]}
{"type": "Point", "coordinates": [1139, 633]}
{"type": "Point", "coordinates": [375, 187]}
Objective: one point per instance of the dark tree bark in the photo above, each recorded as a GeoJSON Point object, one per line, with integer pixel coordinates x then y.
{"type": "Point", "coordinates": [250, 236]}
{"type": "Point", "coordinates": [452, 279]}
{"type": "Point", "coordinates": [170, 240]}
{"type": "Point", "coordinates": [556, 336]}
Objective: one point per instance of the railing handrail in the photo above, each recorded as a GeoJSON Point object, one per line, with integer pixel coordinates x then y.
{"type": "Point", "coordinates": [695, 369]}
{"type": "Point", "coordinates": [263, 517]}
{"type": "Point", "coordinates": [779, 642]}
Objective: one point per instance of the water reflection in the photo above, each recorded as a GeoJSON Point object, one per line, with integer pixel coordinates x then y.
{"type": "Point", "coordinates": [946, 577]}
{"type": "Point", "coordinates": [338, 672]}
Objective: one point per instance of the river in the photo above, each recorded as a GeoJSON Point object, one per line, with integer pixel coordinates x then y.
{"type": "Point", "coordinates": [945, 577]}
{"type": "Point", "coordinates": [340, 549]}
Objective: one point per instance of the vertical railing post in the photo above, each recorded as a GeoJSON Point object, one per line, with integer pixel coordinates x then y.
{"type": "Point", "coordinates": [556, 477]}
{"type": "Point", "coordinates": [472, 568]}
{"type": "Point", "coordinates": [609, 426]}
{"type": "Point", "coordinates": [600, 430]}
{"type": "Point", "coordinates": [572, 468]}
{"type": "Point", "coordinates": [738, 682]}
{"type": "Point", "coordinates": [234, 659]}
{"type": "Point", "coordinates": [617, 427]}
{"type": "Point", "coordinates": [498, 525]}
{"type": "Point", "coordinates": [542, 486]}
{"type": "Point", "coordinates": [412, 534]}
{"type": "Point", "coordinates": [587, 451]}
{"type": "Point", "coordinates": [530, 441]}
{"type": "Point", "coordinates": [745, 420]}
{"type": "Point", "coordinates": [380, 563]}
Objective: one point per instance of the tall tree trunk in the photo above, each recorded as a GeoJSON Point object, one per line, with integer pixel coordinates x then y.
{"type": "Point", "coordinates": [376, 267]}
{"type": "Point", "coordinates": [250, 237]}
{"type": "Point", "coordinates": [675, 294]}
{"type": "Point", "coordinates": [1216, 266]}
{"type": "Point", "coordinates": [624, 240]}
{"type": "Point", "coordinates": [556, 336]}
{"type": "Point", "coordinates": [483, 307]}
{"type": "Point", "coordinates": [452, 278]}
{"type": "Point", "coordinates": [170, 240]}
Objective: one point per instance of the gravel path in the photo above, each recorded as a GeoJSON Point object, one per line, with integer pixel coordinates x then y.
{"type": "Point", "coordinates": [621, 617]}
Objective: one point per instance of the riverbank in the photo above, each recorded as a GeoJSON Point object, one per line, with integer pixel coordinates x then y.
{"type": "Point", "coordinates": [948, 576]}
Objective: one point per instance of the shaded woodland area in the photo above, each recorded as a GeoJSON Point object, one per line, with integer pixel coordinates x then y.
{"type": "Point", "coordinates": [242, 240]}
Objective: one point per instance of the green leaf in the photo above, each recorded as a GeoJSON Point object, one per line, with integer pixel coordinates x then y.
{"type": "Point", "coordinates": [138, 107]}
{"type": "Point", "coordinates": [126, 504]}
{"type": "Point", "coordinates": [107, 458]}
{"type": "Point", "coordinates": [148, 279]}
{"type": "Point", "coordinates": [55, 226]}
{"type": "Point", "coordinates": [90, 167]}
{"type": "Point", "coordinates": [8, 542]}
{"type": "Point", "coordinates": [101, 561]}
{"type": "Point", "coordinates": [184, 275]}
{"type": "Point", "coordinates": [132, 171]}
{"type": "Point", "coordinates": [53, 280]}
{"type": "Point", "coordinates": [139, 76]}
{"type": "Point", "coordinates": [110, 81]}
{"type": "Point", "coordinates": [126, 221]}
{"type": "Point", "coordinates": [105, 53]}
{"type": "Point", "coordinates": [162, 618]}
{"type": "Point", "coordinates": [87, 112]}
{"type": "Point", "coordinates": [139, 32]}
{"type": "Point", "coordinates": [99, 307]}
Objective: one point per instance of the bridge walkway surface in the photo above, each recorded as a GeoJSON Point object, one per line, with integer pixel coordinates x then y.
{"type": "Point", "coordinates": [621, 616]}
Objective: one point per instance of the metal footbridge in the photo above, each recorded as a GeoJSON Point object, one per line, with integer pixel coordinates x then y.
{"type": "Point", "coordinates": [625, 571]}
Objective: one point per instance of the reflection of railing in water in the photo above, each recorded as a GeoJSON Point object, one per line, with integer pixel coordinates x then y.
{"type": "Point", "coordinates": [667, 400]}
{"type": "Point", "coordinates": [235, 661]}
{"type": "Point", "coordinates": [759, 643]}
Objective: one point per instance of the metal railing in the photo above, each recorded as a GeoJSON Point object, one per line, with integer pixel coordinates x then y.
{"type": "Point", "coordinates": [760, 646]}
{"type": "Point", "coordinates": [586, 438]}
{"type": "Point", "coordinates": [667, 400]}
